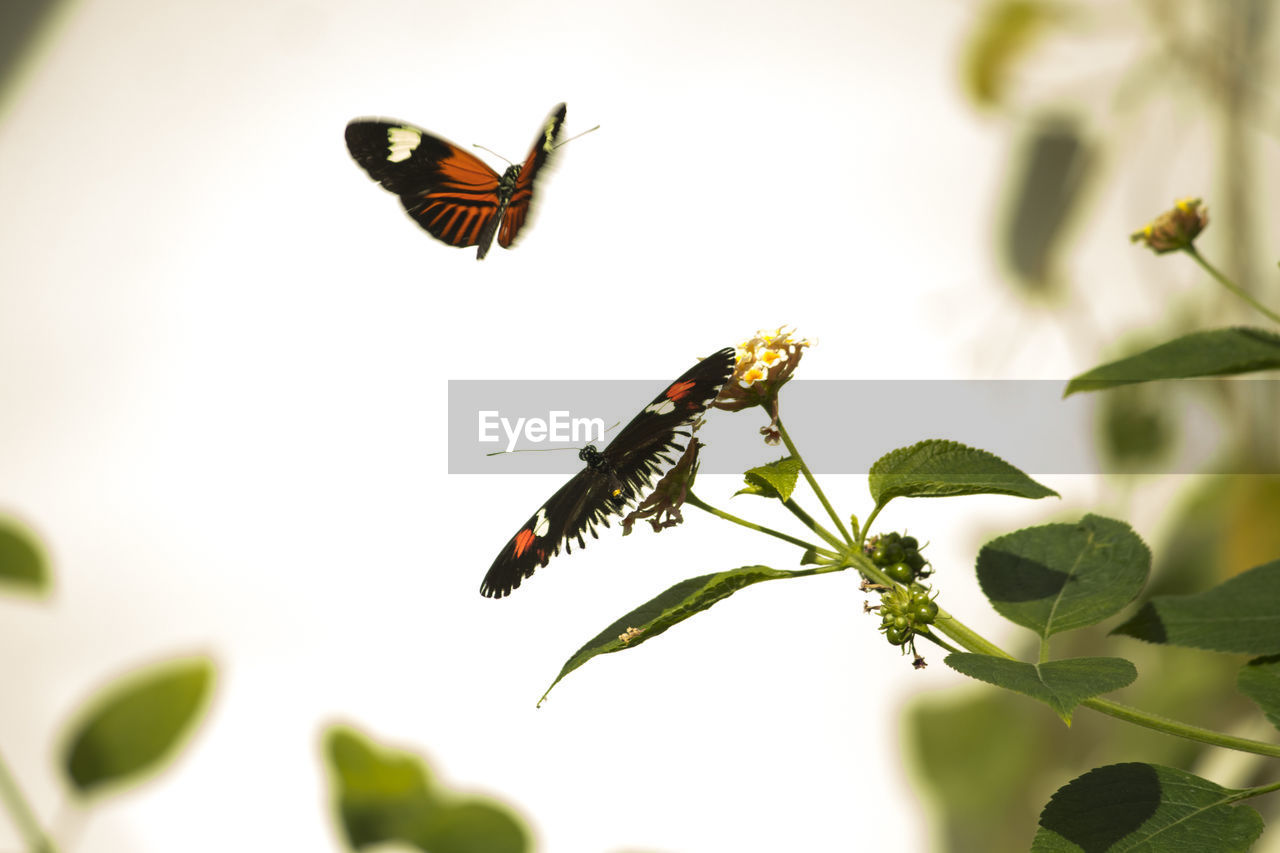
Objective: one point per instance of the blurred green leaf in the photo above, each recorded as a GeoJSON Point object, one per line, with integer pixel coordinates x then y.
{"type": "Point", "coordinates": [388, 795]}
{"type": "Point", "coordinates": [1058, 577]}
{"type": "Point", "coordinates": [1135, 807]}
{"type": "Point", "coordinates": [935, 469]}
{"type": "Point", "coordinates": [22, 562]}
{"type": "Point", "coordinates": [975, 751]}
{"type": "Point", "coordinates": [1220, 352]}
{"type": "Point", "coordinates": [1050, 173]}
{"type": "Point", "coordinates": [1002, 34]}
{"type": "Point", "coordinates": [1259, 679]}
{"type": "Point", "coordinates": [1138, 427]}
{"type": "Point", "coordinates": [669, 608]}
{"type": "Point", "coordinates": [382, 794]}
{"type": "Point", "coordinates": [137, 723]}
{"type": "Point", "coordinates": [775, 480]}
{"type": "Point", "coordinates": [1239, 615]}
{"type": "Point", "coordinates": [1060, 684]}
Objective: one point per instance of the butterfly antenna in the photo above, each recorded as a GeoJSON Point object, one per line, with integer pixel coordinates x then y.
{"type": "Point", "coordinates": [543, 449]}
{"type": "Point", "coordinates": [575, 136]}
{"type": "Point", "coordinates": [532, 450]}
{"type": "Point", "coordinates": [495, 154]}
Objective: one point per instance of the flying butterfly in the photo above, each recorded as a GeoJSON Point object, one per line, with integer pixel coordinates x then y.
{"type": "Point", "coordinates": [613, 478]}
{"type": "Point", "coordinates": [447, 190]}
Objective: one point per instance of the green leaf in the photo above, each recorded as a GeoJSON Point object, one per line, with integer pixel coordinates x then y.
{"type": "Point", "coordinates": [775, 480]}
{"type": "Point", "coordinates": [937, 469]}
{"type": "Point", "coordinates": [1051, 168]}
{"type": "Point", "coordinates": [668, 608]}
{"type": "Point", "coordinates": [1239, 615]}
{"type": "Point", "coordinates": [1060, 684]}
{"type": "Point", "coordinates": [474, 825]}
{"type": "Point", "coordinates": [22, 561]}
{"type": "Point", "coordinates": [1059, 577]}
{"type": "Point", "coordinates": [137, 723]}
{"type": "Point", "coordinates": [381, 794]}
{"type": "Point", "coordinates": [1144, 807]}
{"type": "Point", "coordinates": [1219, 352]}
{"type": "Point", "coordinates": [1002, 35]}
{"type": "Point", "coordinates": [1259, 679]}
{"type": "Point", "coordinates": [388, 795]}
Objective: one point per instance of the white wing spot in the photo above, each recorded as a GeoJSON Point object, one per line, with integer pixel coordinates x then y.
{"type": "Point", "coordinates": [662, 407]}
{"type": "Point", "coordinates": [541, 523]}
{"type": "Point", "coordinates": [401, 143]}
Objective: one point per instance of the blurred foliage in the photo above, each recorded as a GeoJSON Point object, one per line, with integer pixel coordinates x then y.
{"type": "Point", "coordinates": [989, 761]}
{"type": "Point", "coordinates": [22, 562]}
{"type": "Point", "coordinates": [1003, 34]}
{"type": "Point", "coordinates": [386, 795]}
{"type": "Point", "coordinates": [1051, 168]}
{"type": "Point", "coordinates": [136, 724]}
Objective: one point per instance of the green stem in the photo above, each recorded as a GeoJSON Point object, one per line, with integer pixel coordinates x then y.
{"type": "Point", "coordinates": [1255, 792]}
{"type": "Point", "coordinates": [813, 484]}
{"type": "Point", "coordinates": [807, 521]}
{"type": "Point", "coordinates": [1184, 730]}
{"type": "Point", "coordinates": [694, 500]}
{"type": "Point", "coordinates": [1228, 283]}
{"type": "Point", "coordinates": [866, 528]}
{"type": "Point", "coordinates": [23, 818]}
{"type": "Point", "coordinates": [974, 642]}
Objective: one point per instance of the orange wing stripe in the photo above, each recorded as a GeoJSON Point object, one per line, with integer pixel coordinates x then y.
{"type": "Point", "coordinates": [523, 540]}
{"type": "Point", "coordinates": [675, 392]}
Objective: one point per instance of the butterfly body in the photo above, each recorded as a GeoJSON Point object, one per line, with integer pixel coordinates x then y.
{"type": "Point", "coordinates": [612, 479]}
{"type": "Point", "coordinates": [452, 194]}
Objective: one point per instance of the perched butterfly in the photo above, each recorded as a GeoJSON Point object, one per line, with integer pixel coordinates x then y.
{"type": "Point", "coordinates": [447, 190]}
{"type": "Point", "coordinates": [613, 476]}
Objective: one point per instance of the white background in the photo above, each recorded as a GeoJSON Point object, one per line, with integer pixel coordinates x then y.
{"type": "Point", "coordinates": [223, 356]}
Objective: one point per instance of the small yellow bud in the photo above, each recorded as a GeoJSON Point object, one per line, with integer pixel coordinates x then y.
{"type": "Point", "coordinates": [1174, 229]}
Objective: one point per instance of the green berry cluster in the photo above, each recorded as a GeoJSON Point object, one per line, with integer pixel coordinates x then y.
{"type": "Point", "coordinates": [898, 557]}
{"type": "Point", "coordinates": [905, 612]}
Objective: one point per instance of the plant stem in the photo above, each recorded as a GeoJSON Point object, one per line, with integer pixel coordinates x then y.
{"type": "Point", "coordinates": [694, 500]}
{"type": "Point", "coordinates": [813, 484]}
{"type": "Point", "coordinates": [21, 812]}
{"type": "Point", "coordinates": [866, 527]}
{"type": "Point", "coordinates": [808, 522]}
{"type": "Point", "coordinates": [1184, 730]}
{"type": "Point", "coordinates": [1228, 283]}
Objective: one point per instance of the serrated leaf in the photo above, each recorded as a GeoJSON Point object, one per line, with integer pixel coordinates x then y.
{"type": "Point", "coordinates": [386, 795]}
{"type": "Point", "coordinates": [22, 561]}
{"type": "Point", "coordinates": [669, 608]}
{"type": "Point", "coordinates": [1239, 615]}
{"type": "Point", "coordinates": [775, 480]}
{"type": "Point", "coordinates": [1058, 577]}
{"type": "Point", "coordinates": [1259, 679]}
{"type": "Point", "coordinates": [1060, 684]}
{"type": "Point", "coordinates": [1218, 352]}
{"type": "Point", "coordinates": [137, 723]}
{"type": "Point", "coordinates": [935, 468]}
{"type": "Point", "coordinates": [1144, 807]}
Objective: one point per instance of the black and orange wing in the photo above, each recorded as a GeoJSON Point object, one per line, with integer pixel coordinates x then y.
{"type": "Point", "coordinates": [520, 207]}
{"type": "Point", "coordinates": [620, 473]}
{"type": "Point", "coordinates": [450, 192]}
